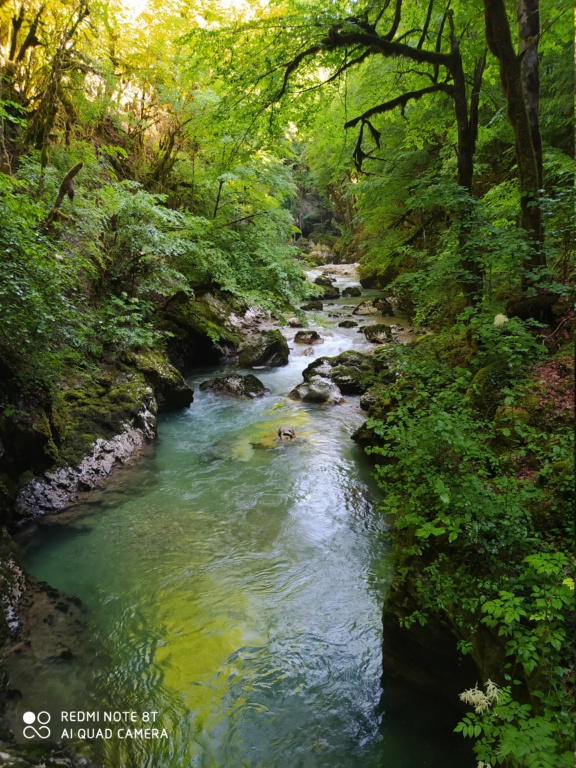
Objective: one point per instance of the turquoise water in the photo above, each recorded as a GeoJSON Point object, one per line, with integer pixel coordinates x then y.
{"type": "Point", "coordinates": [236, 587]}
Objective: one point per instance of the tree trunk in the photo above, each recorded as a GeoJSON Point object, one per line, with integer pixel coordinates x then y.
{"type": "Point", "coordinates": [500, 43]}
{"type": "Point", "coordinates": [529, 29]}
{"type": "Point", "coordinates": [471, 278]}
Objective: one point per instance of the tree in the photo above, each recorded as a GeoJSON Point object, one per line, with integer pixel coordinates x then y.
{"type": "Point", "coordinates": [519, 76]}
{"type": "Point", "coordinates": [428, 41]}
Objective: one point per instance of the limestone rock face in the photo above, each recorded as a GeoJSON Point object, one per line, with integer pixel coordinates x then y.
{"type": "Point", "coordinates": [171, 389]}
{"type": "Point", "coordinates": [95, 424]}
{"type": "Point", "coordinates": [57, 488]}
{"type": "Point", "coordinates": [264, 348]}
{"type": "Point", "coordinates": [236, 386]}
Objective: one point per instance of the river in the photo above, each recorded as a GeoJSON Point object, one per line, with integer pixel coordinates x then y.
{"type": "Point", "coordinates": [235, 587]}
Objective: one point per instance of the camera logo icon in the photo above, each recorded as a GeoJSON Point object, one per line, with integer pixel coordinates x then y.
{"type": "Point", "coordinates": [36, 725]}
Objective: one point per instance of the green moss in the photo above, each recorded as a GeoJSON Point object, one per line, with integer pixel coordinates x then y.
{"type": "Point", "coordinates": [485, 392]}
{"type": "Point", "coordinates": [97, 406]}
{"type": "Point", "coordinates": [506, 418]}
{"type": "Point", "coordinates": [206, 317]}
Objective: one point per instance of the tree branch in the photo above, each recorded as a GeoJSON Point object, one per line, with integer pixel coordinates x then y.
{"type": "Point", "coordinates": [426, 24]}
{"type": "Point", "coordinates": [294, 64]}
{"type": "Point", "coordinates": [396, 21]}
{"type": "Point", "coordinates": [66, 188]}
{"type": "Point", "coordinates": [399, 101]}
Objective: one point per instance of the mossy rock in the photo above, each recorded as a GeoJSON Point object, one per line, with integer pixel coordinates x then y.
{"type": "Point", "coordinates": [198, 330]}
{"type": "Point", "coordinates": [485, 392]}
{"type": "Point", "coordinates": [324, 281]}
{"type": "Point", "coordinates": [308, 337]}
{"type": "Point", "coordinates": [235, 386]}
{"type": "Point", "coordinates": [266, 348]}
{"type": "Point", "coordinates": [379, 333]}
{"type": "Point", "coordinates": [351, 371]}
{"type": "Point", "coordinates": [327, 293]}
{"type": "Point", "coordinates": [506, 417]}
{"type": "Point", "coordinates": [373, 395]}
{"type": "Point", "coordinates": [314, 305]}
{"type": "Point", "coordinates": [171, 389]}
{"type": "Point", "coordinates": [100, 405]}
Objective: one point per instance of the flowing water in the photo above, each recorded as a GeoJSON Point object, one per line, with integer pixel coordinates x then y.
{"type": "Point", "coordinates": [235, 586]}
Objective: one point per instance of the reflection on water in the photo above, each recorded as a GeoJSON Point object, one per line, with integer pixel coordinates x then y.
{"type": "Point", "coordinates": [237, 586]}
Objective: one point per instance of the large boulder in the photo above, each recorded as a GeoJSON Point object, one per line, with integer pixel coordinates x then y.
{"type": "Point", "coordinates": [330, 292]}
{"type": "Point", "coordinates": [235, 386]}
{"type": "Point", "coordinates": [308, 337]}
{"type": "Point", "coordinates": [380, 333]}
{"type": "Point", "coordinates": [264, 348]}
{"type": "Point", "coordinates": [352, 290]}
{"type": "Point", "coordinates": [373, 395]}
{"type": "Point", "coordinates": [199, 328]}
{"type": "Point", "coordinates": [366, 308]}
{"type": "Point", "coordinates": [170, 387]}
{"type": "Point", "coordinates": [324, 281]}
{"type": "Point", "coordinates": [352, 372]}
{"type": "Point", "coordinates": [315, 305]}
{"type": "Point", "coordinates": [317, 390]}
{"type": "Point", "coordinates": [384, 306]}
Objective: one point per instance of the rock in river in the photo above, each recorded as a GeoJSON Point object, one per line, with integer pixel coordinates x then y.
{"type": "Point", "coordinates": [313, 306]}
{"type": "Point", "coordinates": [351, 371]}
{"type": "Point", "coordinates": [384, 306]}
{"type": "Point", "coordinates": [366, 308]}
{"type": "Point", "coordinates": [308, 337]}
{"type": "Point", "coordinates": [236, 386]}
{"type": "Point", "coordinates": [347, 324]}
{"type": "Point", "coordinates": [324, 281]}
{"type": "Point", "coordinates": [264, 348]}
{"type": "Point", "coordinates": [317, 390]}
{"type": "Point", "coordinates": [330, 292]}
{"type": "Point", "coordinates": [379, 333]}
{"type": "Point", "coordinates": [352, 290]}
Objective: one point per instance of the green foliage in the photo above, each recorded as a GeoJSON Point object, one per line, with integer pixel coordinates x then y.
{"type": "Point", "coordinates": [467, 536]}
{"type": "Point", "coordinates": [191, 170]}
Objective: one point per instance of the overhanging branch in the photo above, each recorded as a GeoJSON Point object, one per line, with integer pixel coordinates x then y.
{"type": "Point", "coordinates": [399, 101]}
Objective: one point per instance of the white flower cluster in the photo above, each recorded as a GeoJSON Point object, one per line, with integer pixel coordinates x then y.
{"type": "Point", "coordinates": [483, 765]}
{"type": "Point", "coordinates": [500, 320]}
{"type": "Point", "coordinates": [479, 700]}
